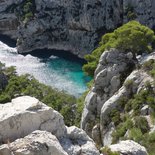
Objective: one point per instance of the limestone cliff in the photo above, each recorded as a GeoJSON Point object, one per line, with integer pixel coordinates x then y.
{"type": "Point", "coordinates": [122, 92]}
{"type": "Point", "coordinates": [74, 25]}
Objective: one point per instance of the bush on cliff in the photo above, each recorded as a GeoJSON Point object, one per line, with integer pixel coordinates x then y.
{"type": "Point", "coordinates": [132, 37]}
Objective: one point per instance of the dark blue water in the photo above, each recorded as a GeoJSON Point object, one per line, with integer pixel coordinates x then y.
{"type": "Point", "coordinates": [59, 69]}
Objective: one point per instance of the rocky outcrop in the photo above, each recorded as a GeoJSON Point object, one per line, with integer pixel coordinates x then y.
{"type": "Point", "coordinates": [128, 147]}
{"type": "Point", "coordinates": [115, 78]}
{"type": "Point", "coordinates": [113, 67]}
{"type": "Point", "coordinates": [37, 143]}
{"type": "Point", "coordinates": [27, 114]}
{"type": "Point", "coordinates": [43, 130]}
{"type": "Point", "coordinates": [74, 25]}
{"type": "Point", "coordinates": [139, 79]}
{"type": "Point", "coordinates": [77, 142]}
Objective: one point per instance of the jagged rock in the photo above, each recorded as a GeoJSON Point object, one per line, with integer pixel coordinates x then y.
{"type": "Point", "coordinates": [37, 143]}
{"type": "Point", "coordinates": [74, 25]}
{"type": "Point", "coordinates": [107, 140]}
{"type": "Point", "coordinates": [26, 114]}
{"type": "Point", "coordinates": [145, 110]}
{"type": "Point", "coordinates": [128, 147]}
{"type": "Point", "coordinates": [78, 142]}
{"type": "Point", "coordinates": [139, 79]}
{"type": "Point", "coordinates": [88, 112]}
{"type": "Point", "coordinates": [44, 143]}
{"type": "Point", "coordinates": [147, 58]}
{"type": "Point", "coordinates": [96, 135]}
{"type": "Point", "coordinates": [113, 65]}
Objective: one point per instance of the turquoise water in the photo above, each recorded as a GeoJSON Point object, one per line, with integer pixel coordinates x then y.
{"type": "Point", "coordinates": [60, 70]}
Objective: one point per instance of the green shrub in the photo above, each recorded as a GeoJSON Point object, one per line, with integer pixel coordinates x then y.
{"type": "Point", "coordinates": [142, 124]}
{"type": "Point", "coordinates": [128, 84]}
{"type": "Point", "coordinates": [122, 102]}
{"type": "Point", "coordinates": [149, 142]}
{"type": "Point", "coordinates": [27, 10]}
{"type": "Point", "coordinates": [130, 12]}
{"type": "Point", "coordinates": [136, 134]}
{"type": "Point", "coordinates": [132, 37]}
{"type": "Point", "coordinates": [115, 116]}
{"type": "Point", "coordinates": [28, 15]}
{"type": "Point", "coordinates": [4, 98]}
{"type": "Point", "coordinates": [121, 129]}
{"type": "Point", "coordinates": [149, 66]}
{"type": "Point", "coordinates": [107, 151]}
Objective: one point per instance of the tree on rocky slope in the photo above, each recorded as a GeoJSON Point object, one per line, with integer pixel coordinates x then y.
{"type": "Point", "coordinates": [132, 37]}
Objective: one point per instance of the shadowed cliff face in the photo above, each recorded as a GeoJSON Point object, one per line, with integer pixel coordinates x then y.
{"type": "Point", "coordinates": [72, 25]}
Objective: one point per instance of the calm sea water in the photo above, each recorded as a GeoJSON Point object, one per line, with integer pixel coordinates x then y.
{"type": "Point", "coordinates": [60, 70]}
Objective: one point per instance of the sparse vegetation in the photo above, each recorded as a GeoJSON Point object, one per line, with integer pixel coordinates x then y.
{"type": "Point", "coordinates": [25, 11]}
{"type": "Point", "coordinates": [130, 12]}
{"type": "Point", "coordinates": [107, 151]}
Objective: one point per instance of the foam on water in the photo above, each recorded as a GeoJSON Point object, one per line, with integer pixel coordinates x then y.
{"type": "Point", "coordinates": [54, 71]}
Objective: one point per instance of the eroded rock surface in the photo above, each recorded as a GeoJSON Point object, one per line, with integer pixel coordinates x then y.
{"type": "Point", "coordinates": [113, 67]}
{"type": "Point", "coordinates": [129, 147]}
{"type": "Point", "coordinates": [74, 25]}
{"type": "Point", "coordinates": [116, 77]}
{"type": "Point", "coordinates": [24, 115]}
{"type": "Point", "coordinates": [37, 143]}
{"type": "Point", "coordinates": [30, 127]}
{"type": "Point", "coordinates": [78, 142]}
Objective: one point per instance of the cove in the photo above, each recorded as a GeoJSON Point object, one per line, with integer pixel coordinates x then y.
{"type": "Point", "coordinates": [59, 69]}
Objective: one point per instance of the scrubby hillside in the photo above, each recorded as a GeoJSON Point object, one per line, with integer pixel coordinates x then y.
{"type": "Point", "coordinates": [121, 103]}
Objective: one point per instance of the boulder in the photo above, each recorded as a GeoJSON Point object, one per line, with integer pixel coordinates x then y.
{"type": "Point", "coordinates": [145, 110]}
{"type": "Point", "coordinates": [25, 114]}
{"type": "Point", "coordinates": [37, 143]}
{"type": "Point", "coordinates": [96, 135]}
{"type": "Point", "coordinates": [78, 142]}
{"type": "Point", "coordinates": [128, 147]}
{"type": "Point", "coordinates": [44, 128]}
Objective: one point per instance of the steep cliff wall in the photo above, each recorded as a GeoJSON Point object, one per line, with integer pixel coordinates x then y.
{"type": "Point", "coordinates": [74, 25]}
{"type": "Point", "coordinates": [120, 89]}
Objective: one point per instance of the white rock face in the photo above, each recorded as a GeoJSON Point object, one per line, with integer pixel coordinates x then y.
{"type": "Point", "coordinates": [26, 114]}
{"type": "Point", "coordinates": [37, 143]}
{"type": "Point", "coordinates": [78, 142]}
{"type": "Point", "coordinates": [129, 147]}
{"type": "Point", "coordinates": [107, 81]}
{"type": "Point", "coordinates": [139, 79]}
{"type": "Point", "coordinates": [109, 88]}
